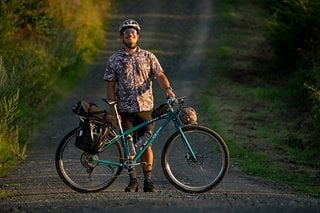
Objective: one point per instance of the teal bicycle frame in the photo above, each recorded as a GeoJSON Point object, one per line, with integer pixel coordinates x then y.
{"type": "Point", "coordinates": [171, 116]}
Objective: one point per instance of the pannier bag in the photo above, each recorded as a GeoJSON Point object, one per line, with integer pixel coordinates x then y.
{"type": "Point", "coordinates": [94, 130]}
{"type": "Point", "coordinates": [88, 110]}
{"type": "Point", "coordinates": [92, 136]}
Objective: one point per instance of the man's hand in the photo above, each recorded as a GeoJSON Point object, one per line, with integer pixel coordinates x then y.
{"type": "Point", "coordinates": [170, 93]}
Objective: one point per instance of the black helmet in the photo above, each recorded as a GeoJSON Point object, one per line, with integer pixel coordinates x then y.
{"type": "Point", "coordinates": [129, 23]}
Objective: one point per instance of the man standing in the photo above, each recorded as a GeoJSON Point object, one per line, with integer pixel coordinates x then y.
{"type": "Point", "coordinates": [129, 75]}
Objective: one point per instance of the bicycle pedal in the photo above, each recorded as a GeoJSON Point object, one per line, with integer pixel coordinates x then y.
{"type": "Point", "coordinates": [134, 164]}
{"type": "Point", "coordinates": [131, 165]}
{"type": "Point", "coordinates": [145, 164]}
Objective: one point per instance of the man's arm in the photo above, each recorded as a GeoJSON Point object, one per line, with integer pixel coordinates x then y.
{"type": "Point", "coordinates": [111, 94]}
{"type": "Point", "coordinates": [111, 91]}
{"type": "Point", "coordinates": [164, 84]}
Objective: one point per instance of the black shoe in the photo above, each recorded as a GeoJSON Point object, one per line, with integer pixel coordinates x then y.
{"type": "Point", "coordinates": [133, 186]}
{"type": "Point", "coordinates": [149, 186]}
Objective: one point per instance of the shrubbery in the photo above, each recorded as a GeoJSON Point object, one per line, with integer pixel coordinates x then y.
{"type": "Point", "coordinates": [39, 39]}
{"type": "Point", "coordinates": [9, 143]}
{"type": "Point", "coordinates": [294, 31]}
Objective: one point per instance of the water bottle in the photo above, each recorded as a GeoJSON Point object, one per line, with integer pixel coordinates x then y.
{"type": "Point", "coordinates": [142, 141]}
{"type": "Point", "coordinates": [130, 145]}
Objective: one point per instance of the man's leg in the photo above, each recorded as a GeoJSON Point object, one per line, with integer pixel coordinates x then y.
{"type": "Point", "coordinates": [147, 157]}
{"type": "Point", "coordinates": [127, 123]}
{"type": "Point", "coordinates": [147, 170]}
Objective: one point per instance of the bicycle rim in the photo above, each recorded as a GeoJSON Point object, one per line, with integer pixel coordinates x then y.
{"type": "Point", "coordinates": [202, 174]}
{"type": "Point", "coordinates": [81, 171]}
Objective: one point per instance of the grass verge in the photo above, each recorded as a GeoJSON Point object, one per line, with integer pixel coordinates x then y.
{"type": "Point", "coordinates": [250, 107]}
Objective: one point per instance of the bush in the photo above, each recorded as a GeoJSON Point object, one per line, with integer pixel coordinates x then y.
{"type": "Point", "coordinates": [39, 41]}
{"type": "Point", "coordinates": [315, 111]}
{"type": "Point", "coordinates": [85, 20]}
{"type": "Point", "coordinates": [9, 141]}
{"type": "Point", "coordinates": [294, 32]}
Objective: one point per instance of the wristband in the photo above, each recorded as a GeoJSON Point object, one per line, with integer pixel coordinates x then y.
{"type": "Point", "coordinates": [170, 88]}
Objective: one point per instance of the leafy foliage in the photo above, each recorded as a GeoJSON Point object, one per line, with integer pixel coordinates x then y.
{"type": "Point", "coordinates": [265, 108]}
{"type": "Point", "coordinates": [294, 32]}
{"type": "Point", "coordinates": [9, 143]}
{"type": "Point", "coordinates": [39, 41]}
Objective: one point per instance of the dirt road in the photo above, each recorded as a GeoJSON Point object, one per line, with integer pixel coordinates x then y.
{"type": "Point", "coordinates": [178, 32]}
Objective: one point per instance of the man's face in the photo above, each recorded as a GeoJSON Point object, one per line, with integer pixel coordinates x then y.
{"type": "Point", "coordinates": [130, 37]}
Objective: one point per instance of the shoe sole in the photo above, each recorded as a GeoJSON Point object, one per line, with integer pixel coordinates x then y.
{"type": "Point", "coordinates": [128, 190]}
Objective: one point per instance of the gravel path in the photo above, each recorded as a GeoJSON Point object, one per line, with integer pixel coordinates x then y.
{"type": "Point", "coordinates": [178, 32]}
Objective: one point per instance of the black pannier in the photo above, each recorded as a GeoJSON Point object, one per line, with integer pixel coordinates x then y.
{"type": "Point", "coordinates": [94, 130]}
{"type": "Point", "coordinates": [91, 110]}
{"type": "Point", "coordinates": [92, 136]}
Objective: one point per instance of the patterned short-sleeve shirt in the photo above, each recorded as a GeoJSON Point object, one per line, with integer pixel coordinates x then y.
{"type": "Point", "coordinates": [133, 75]}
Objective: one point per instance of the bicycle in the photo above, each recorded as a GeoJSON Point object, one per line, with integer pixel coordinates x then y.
{"type": "Point", "coordinates": [194, 159]}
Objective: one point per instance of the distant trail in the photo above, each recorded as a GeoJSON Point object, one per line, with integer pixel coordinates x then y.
{"type": "Point", "coordinates": [179, 33]}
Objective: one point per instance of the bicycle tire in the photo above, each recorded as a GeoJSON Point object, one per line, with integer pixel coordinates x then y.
{"type": "Point", "coordinates": [207, 171]}
{"type": "Point", "coordinates": [79, 170]}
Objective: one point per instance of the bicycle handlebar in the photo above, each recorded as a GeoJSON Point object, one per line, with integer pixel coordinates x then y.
{"type": "Point", "coordinates": [173, 100]}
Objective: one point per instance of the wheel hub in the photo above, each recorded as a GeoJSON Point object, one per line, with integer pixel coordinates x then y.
{"type": "Point", "coordinates": [194, 161]}
{"type": "Point", "coordinates": [89, 160]}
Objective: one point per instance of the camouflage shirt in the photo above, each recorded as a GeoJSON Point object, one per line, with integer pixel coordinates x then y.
{"type": "Point", "coordinates": [133, 75]}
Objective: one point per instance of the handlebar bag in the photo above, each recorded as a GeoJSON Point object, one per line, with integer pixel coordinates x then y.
{"type": "Point", "coordinates": [163, 108]}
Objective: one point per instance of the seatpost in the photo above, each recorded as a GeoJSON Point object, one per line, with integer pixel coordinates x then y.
{"type": "Point", "coordinates": [118, 116]}
{"type": "Point", "coordinates": [115, 109]}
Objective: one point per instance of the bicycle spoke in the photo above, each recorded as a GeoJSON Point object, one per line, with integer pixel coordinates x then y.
{"type": "Point", "coordinates": [81, 170]}
{"type": "Point", "coordinates": [199, 174]}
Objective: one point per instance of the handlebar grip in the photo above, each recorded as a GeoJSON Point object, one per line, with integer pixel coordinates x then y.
{"type": "Point", "coordinates": [172, 101]}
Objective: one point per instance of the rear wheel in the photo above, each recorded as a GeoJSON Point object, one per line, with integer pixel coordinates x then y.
{"type": "Point", "coordinates": [81, 170]}
{"type": "Point", "coordinates": [200, 174]}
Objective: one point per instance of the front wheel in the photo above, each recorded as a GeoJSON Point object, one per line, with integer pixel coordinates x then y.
{"type": "Point", "coordinates": [83, 171]}
{"type": "Point", "coordinates": [199, 174]}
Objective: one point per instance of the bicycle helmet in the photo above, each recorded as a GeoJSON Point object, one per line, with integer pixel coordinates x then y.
{"type": "Point", "coordinates": [188, 115]}
{"type": "Point", "coordinates": [129, 23]}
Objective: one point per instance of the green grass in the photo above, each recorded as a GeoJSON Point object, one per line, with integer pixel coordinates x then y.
{"type": "Point", "coordinates": [250, 106]}
{"type": "Point", "coordinates": [6, 194]}
{"type": "Point", "coordinates": [9, 193]}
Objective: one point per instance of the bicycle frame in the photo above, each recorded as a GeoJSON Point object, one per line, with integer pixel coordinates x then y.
{"type": "Point", "coordinates": [171, 115]}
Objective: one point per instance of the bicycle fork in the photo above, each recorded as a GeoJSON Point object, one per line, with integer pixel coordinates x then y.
{"type": "Point", "coordinates": [191, 152]}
